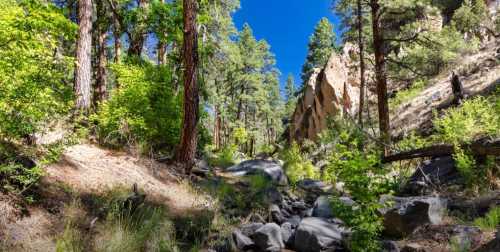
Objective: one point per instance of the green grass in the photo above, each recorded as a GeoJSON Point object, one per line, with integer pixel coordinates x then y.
{"type": "Point", "coordinates": [490, 221]}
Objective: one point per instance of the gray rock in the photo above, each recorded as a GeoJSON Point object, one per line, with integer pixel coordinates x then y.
{"type": "Point", "coordinates": [242, 241]}
{"type": "Point", "coordinates": [294, 221]}
{"type": "Point", "coordinates": [314, 186]}
{"type": "Point", "coordinates": [466, 237]}
{"type": "Point", "coordinates": [318, 234]}
{"type": "Point", "coordinates": [404, 215]}
{"type": "Point", "coordinates": [250, 228]}
{"type": "Point", "coordinates": [323, 208]}
{"type": "Point", "coordinates": [273, 196]}
{"type": "Point", "coordinates": [255, 217]}
{"type": "Point", "coordinates": [276, 215]}
{"type": "Point", "coordinates": [268, 238]}
{"type": "Point", "coordinates": [431, 173]}
{"type": "Point", "coordinates": [287, 233]}
{"type": "Point", "coordinates": [270, 169]}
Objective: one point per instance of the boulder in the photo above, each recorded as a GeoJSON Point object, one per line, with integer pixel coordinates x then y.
{"type": "Point", "coordinates": [287, 233]}
{"type": "Point", "coordinates": [270, 169]}
{"type": "Point", "coordinates": [413, 247]}
{"type": "Point", "coordinates": [323, 208]}
{"type": "Point", "coordinates": [318, 234]}
{"type": "Point", "coordinates": [273, 196]}
{"type": "Point", "coordinates": [294, 221]}
{"type": "Point", "coordinates": [276, 215]}
{"type": "Point", "coordinates": [250, 228]}
{"type": "Point", "coordinates": [242, 241]}
{"type": "Point", "coordinates": [430, 174]}
{"type": "Point", "coordinates": [268, 238]}
{"type": "Point", "coordinates": [403, 215]}
{"type": "Point", "coordinates": [313, 186]}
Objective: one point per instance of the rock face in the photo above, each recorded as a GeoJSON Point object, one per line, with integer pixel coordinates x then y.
{"type": "Point", "coordinates": [407, 214]}
{"type": "Point", "coordinates": [330, 91]}
{"type": "Point", "coordinates": [317, 234]}
{"type": "Point", "coordinates": [268, 168]}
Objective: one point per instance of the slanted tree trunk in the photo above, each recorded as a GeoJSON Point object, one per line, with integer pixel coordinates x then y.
{"type": "Point", "coordinates": [361, 64]}
{"type": "Point", "coordinates": [380, 75]}
{"type": "Point", "coordinates": [187, 151]}
{"type": "Point", "coordinates": [83, 71]}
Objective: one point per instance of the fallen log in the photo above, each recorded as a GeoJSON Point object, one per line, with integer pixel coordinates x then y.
{"type": "Point", "coordinates": [482, 147]}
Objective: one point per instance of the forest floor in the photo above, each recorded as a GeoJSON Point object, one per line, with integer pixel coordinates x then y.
{"type": "Point", "coordinates": [87, 169]}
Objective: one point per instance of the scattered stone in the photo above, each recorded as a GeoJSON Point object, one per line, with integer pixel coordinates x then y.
{"type": "Point", "coordinates": [250, 228]}
{"type": "Point", "coordinates": [404, 215]}
{"type": "Point", "coordinates": [268, 238]}
{"type": "Point", "coordinates": [323, 208]}
{"type": "Point", "coordinates": [294, 221]}
{"type": "Point", "coordinates": [299, 205]}
{"type": "Point", "coordinates": [273, 196]}
{"type": "Point", "coordinates": [270, 169]}
{"type": "Point", "coordinates": [255, 217]}
{"type": "Point", "coordinates": [287, 233]}
{"type": "Point", "coordinates": [276, 215]}
{"type": "Point", "coordinates": [242, 241]}
{"type": "Point", "coordinates": [313, 186]}
{"type": "Point", "coordinates": [318, 234]}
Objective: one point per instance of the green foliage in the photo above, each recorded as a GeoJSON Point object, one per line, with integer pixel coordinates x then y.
{"type": "Point", "coordinates": [320, 47]}
{"type": "Point", "coordinates": [407, 94]}
{"type": "Point", "coordinates": [296, 166]}
{"type": "Point", "coordinates": [491, 221]}
{"type": "Point", "coordinates": [465, 164]}
{"type": "Point", "coordinates": [291, 99]}
{"type": "Point", "coordinates": [225, 157]}
{"type": "Point", "coordinates": [475, 118]}
{"type": "Point", "coordinates": [143, 110]}
{"type": "Point", "coordinates": [471, 16]}
{"type": "Point", "coordinates": [33, 69]}
{"type": "Point", "coordinates": [17, 178]}
{"type": "Point", "coordinates": [365, 180]}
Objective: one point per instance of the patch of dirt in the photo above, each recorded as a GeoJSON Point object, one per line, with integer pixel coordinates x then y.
{"type": "Point", "coordinates": [87, 168]}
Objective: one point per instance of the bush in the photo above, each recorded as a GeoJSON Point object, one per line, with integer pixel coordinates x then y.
{"type": "Point", "coordinates": [225, 157]}
{"type": "Point", "coordinates": [144, 110]}
{"type": "Point", "coordinates": [33, 79]}
{"type": "Point", "coordinates": [407, 95]}
{"type": "Point", "coordinates": [491, 221]}
{"type": "Point", "coordinates": [475, 118]}
{"type": "Point", "coordinates": [357, 164]}
{"type": "Point", "coordinates": [296, 167]}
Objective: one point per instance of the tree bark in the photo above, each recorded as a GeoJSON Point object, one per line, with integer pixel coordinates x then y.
{"type": "Point", "coordinates": [83, 71]}
{"type": "Point", "coordinates": [480, 147]}
{"type": "Point", "coordinates": [187, 151]}
{"type": "Point", "coordinates": [117, 39]}
{"type": "Point", "coordinates": [361, 64]}
{"type": "Point", "coordinates": [380, 75]}
{"type": "Point", "coordinates": [102, 73]}
{"type": "Point", "coordinates": [161, 51]}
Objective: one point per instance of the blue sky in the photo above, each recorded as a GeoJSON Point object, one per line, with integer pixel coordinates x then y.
{"type": "Point", "coordinates": [286, 25]}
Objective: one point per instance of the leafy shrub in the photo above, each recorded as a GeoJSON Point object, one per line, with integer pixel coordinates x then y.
{"type": "Point", "coordinates": [296, 167]}
{"type": "Point", "coordinates": [17, 178]}
{"type": "Point", "coordinates": [225, 157]}
{"type": "Point", "coordinates": [357, 164]}
{"type": "Point", "coordinates": [475, 118]}
{"type": "Point", "coordinates": [490, 221]}
{"type": "Point", "coordinates": [143, 110]}
{"type": "Point", "coordinates": [33, 79]}
{"type": "Point", "coordinates": [465, 164]}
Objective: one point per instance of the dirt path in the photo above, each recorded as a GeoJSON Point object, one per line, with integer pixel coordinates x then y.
{"type": "Point", "coordinates": [89, 169]}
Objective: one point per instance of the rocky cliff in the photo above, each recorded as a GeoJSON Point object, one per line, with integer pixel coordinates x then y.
{"type": "Point", "coordinates": [331, 91]}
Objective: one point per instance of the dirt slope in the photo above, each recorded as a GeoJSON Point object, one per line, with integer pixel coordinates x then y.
{"type": "Point", "coordinates": [479, 72]}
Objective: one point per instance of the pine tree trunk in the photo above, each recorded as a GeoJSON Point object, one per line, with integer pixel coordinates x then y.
{"type": "Point", "coordinates": [83, 71]}
{"type": "Point", "coordinates": [380, 75]}
{"type": "Point", "coordinates": [101, 78]}
{"type": "Point", "coordinates": [361, 64]}
{"type": "Point", "coordinates": [217, 123]}
{"type": "Point", "coordinates": [117, 39]}
{"type": "Point", "coordinates": [161, 52]}
{"type": "Point", "coordinates": [187, 151]}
